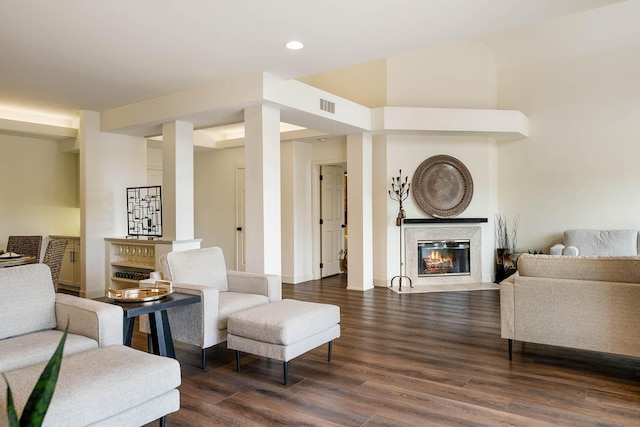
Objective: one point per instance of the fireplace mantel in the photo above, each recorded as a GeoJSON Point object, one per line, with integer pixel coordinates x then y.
{"type": "Point", "coordinates": [412, 235]}
{"type": "Point", "coordinates": [443, 220]}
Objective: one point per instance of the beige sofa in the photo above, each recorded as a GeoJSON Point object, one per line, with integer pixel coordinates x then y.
{"type": "Point", "coordinates": [101, 382]}
{"type": "Point", "coordinates": [590, 303]}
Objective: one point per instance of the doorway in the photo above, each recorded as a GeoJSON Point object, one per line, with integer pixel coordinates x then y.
{"type": "Point", "coordinates": [241, 233]}
{"type": "Point", "coordinates": [333, 215]}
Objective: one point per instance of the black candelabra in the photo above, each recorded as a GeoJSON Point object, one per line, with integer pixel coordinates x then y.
{"type": "Point", "coordinates": [399, 192]}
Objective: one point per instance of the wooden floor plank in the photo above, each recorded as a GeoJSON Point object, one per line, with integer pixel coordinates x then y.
{"type": "Point", "coordinates": [421, 359]}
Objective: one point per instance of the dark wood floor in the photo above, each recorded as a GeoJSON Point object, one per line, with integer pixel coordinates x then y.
{"type": "Point", "coordinates": [416, 360]}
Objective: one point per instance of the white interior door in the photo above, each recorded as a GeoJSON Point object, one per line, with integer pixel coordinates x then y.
{"type": "Point", "coordinates": [331, 218]}
{"type": "Point", "coordinates": [241, 234]}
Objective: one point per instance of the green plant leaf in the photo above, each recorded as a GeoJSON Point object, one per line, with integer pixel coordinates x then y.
{"type": "Point", "coordinates": [40, 397]}
{"type": "Point", "coordinates": [11, 409]}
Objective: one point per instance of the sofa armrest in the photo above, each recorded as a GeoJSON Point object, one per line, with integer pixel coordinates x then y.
{"type": "Point", "coordinates": [194, 323]}
{"type": "Point", "coordinates": [98, 320]}
{"type": "Point", "coordinates": [507, 307]}
{"type": "Point", "coordinates": [269, 285]}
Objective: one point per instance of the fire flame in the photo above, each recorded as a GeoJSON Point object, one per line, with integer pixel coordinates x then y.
{"type": "Point", "coordinates": [435, 261]}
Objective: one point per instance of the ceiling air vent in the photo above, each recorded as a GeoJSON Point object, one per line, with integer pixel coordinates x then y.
{"type": "Point", "coordinates": [328, 106]}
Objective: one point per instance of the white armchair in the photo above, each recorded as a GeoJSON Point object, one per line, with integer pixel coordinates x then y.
{"type": "Point", "coordinates": [203, 272]}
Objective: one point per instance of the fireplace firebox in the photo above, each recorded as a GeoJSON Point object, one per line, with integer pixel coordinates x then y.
{"type": "Point", "coordinates": [444, 258]}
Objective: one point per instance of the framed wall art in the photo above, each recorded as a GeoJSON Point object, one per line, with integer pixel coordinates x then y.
{"type": "Point", "coordinates": [144, 211]}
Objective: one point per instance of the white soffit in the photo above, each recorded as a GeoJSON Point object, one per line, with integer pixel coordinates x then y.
{"type": "Point", "coordinates": [36, 130]}
{"type": "Point", "coordinates": [498, 124]}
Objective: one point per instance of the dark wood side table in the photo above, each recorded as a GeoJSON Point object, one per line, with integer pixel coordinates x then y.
{"type": "Point", "coordinates": [158, 319]}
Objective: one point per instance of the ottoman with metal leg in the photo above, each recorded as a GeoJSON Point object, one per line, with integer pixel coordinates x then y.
{"type": "Point", "coordinates": [283, 330]}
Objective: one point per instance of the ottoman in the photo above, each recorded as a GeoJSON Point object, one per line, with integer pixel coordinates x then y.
{"type": "Point", "coordinates": [283, 330]}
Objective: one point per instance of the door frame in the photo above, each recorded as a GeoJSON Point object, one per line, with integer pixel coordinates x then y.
{"type": "Point", "coordinates": [239, 249]}
{"type": "Point", "coordinates": [315, 213]}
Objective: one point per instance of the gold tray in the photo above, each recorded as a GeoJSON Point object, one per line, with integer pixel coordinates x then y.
{"type": "Point", "coordinates": [138, 294]}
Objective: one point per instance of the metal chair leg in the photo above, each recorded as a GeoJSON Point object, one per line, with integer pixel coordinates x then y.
{"type": "Point", "coordinates": [510, 349]}
{"type": "Point", "coordinates": [330, 347]}
{"type": "Point", "coordinates": [286, 372]}
{"type": "Point", "coordinates": [238, 361]}
{"type": "Point", "coordinates": [204, 359]}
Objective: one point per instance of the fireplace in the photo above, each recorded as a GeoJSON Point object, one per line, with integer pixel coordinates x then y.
{"type": "Point", "coordinates": [444, 257]}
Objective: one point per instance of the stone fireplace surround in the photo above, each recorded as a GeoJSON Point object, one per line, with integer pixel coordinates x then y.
{"type": "Point", "coordinates": [414, 234]}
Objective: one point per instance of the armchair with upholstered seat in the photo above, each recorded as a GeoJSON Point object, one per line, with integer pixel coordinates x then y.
{"type": "Point", "coordinates": [223, 292]}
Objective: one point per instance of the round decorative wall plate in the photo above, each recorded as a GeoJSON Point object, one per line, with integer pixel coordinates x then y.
{"type": "Point", "coordinates": [442, 186]}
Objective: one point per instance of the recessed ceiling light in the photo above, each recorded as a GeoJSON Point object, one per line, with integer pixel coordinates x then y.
{"type": "Point", "coordinates": [294, 45]}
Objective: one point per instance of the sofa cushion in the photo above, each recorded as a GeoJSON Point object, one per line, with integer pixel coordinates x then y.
{"type": "Point", "coordinates": [28, 300]}
{"type": "Point", "coordinates": [25, 350]}
{"type": "Point", "coordinates": [603, 242]}
{"type": "Point", "coordinates": [98, 384]}
{"type": "Point", "coordinates": [595, 268]}
{"type": "Point", "coordinates": [197, 266]}
{"type": "Point", "coordinates": [231, 302]}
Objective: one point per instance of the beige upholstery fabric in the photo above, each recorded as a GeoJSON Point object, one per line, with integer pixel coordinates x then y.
{"type": "Point", "coordinates": [100, 384]}
{"type": "Point", "coordinates": [603, 242]}
{"type": "Point", "coordinates": [284, 322]}
{"type": "Point", "coordinates": [37, 347]}
{"type": "Point", "coordinates": [231, 302]}
{"type": "Point", "coordinates": [589, 303]}
{"type": "Point", "coordinates": [283, 330]}
{"type": "Point", "coordinates": [205, 267]}
{"type": "Point", "coordinates": [27, 303]}
{"type": "Point", "coordinates": [610, 269]}
{"type": "Point", "coordinates": [283, 352]}
{"type": "Point", "coordinates": [99, 321]}
{"type": "Point", "coordinates": [203, 272]}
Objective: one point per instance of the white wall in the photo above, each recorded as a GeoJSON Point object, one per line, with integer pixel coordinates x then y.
{"type": "Point", "coordinates": [579, 168]}
{"type": "Point", "coordinates": [362, 83]}
{"type": "Point", "coordinates": [39, 191]}
{"type": "Point", "coordinates": [215, 199]}
{"type": "Point", "coordinates": [407, 153]}
{"type": "Point", "coordinates": [459, 75]}
{"type": "Point", "coordinates": [109, 163]}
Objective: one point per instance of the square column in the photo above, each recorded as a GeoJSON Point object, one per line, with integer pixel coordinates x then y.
{"type": "Point", "coordinates": [177, 181]}
{"type": "Point", "coordinates": [109, 163]}
{"type": "Point", "coordinates": [360, 202]}
{"type": "Point", "coordinates": [262, 189]}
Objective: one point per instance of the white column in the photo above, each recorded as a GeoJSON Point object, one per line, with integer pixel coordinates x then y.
{"type": "Point", "coordinates": [262, 189]}
{"type": "Point", "coordinates": [359, 201]}
{"type": "Point", "coordinates": [297, 212]}
{"type": "Point", "coordinates": [177, 181]}
{"type": "Point", "coordinates": [109, 163]}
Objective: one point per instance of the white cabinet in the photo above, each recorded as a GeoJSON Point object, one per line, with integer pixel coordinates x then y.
{"type": "Point", "coordinates": [130, 260]}
{"type": "Point", "coordinates": [70, 278]}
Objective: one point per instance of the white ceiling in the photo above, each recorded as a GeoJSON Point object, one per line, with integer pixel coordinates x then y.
{"type": "Point", "coordinates": [69, 55]}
